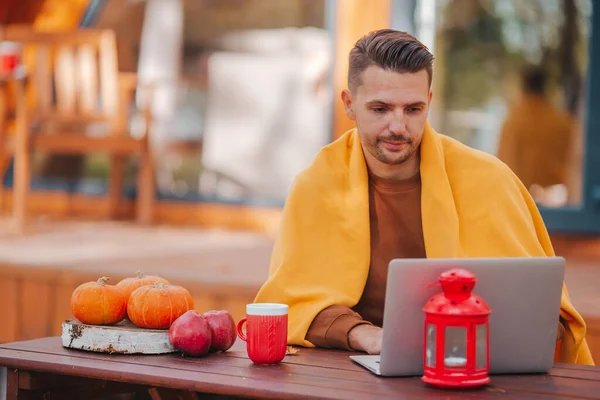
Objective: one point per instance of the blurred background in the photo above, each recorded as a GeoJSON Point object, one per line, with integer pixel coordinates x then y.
{"type": "Point", "coordinates": [194, 116]}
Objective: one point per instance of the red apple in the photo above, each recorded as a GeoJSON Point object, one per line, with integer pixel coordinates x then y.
{"type": "Point", "coordinates": [190, 333]}
{"type": "Point", "coordinates": [223, 329]}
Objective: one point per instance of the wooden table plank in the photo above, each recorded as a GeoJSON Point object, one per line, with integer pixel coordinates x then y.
{"type": "Point", "coordinates": [576, 374]}
{"type": "Point", "coordinates": [40, 385]}
{"type": "Point", "coordinates": [334, 362]}
{"type": "Point", "coordinates": [315, 376]}
{"type": "Point", "coordinates": [164, 377]}
{"type": "Point", "coordinates": [219, 362]}
{"type": "Point", "coordinates": [408, 387]}
{"type": "Point", "coordinates": [216, 378]}
{"type": "Point", "coordinates": [309, 374]}
{"type": "Point", "coordinates": [549, 385]}
{"type": "Point", "coordinates": [578, 367]}
{"type": "Point", "coordinates": [35, 381]}
{"type": "Point", "coordinates": [235, 362]}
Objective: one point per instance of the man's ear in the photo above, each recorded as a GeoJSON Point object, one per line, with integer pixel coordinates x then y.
{"type": "Point", "coordinates": [347, 100]}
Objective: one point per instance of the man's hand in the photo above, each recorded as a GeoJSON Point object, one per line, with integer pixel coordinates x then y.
{"type": "Point", "coordinates": [365, 338]}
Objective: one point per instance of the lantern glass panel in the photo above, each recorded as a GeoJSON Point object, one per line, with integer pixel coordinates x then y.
{"type": "Point", "coordinates": [455, 347]}
{"type": "Point", "coordinates": [430, 350]}
{"type": "Point", "coordinates": [481, 346]}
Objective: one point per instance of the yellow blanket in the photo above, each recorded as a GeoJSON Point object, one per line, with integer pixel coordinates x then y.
{"type": "Point", "coordinates": [472, 206]}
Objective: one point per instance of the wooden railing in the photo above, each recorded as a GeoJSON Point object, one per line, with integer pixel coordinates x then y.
{"type": "Point", "coordinates": [35, 301]}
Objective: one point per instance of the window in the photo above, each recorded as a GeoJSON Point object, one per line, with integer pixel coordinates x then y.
{"type": "Point", "coordinates": [485, 51]}
{"type": "Point", "coordinates": [245, 98]}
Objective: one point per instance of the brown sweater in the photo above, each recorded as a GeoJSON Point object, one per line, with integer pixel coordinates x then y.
{"type": "Point", "coordinates": [396, 232]}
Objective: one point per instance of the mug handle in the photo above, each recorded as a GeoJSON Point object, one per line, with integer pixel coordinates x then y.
{"type": "Point", "coordinates": [240, 325]}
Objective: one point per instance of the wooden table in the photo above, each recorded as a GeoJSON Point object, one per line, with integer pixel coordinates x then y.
{"type": "Point", "coordinates": [42, 368]}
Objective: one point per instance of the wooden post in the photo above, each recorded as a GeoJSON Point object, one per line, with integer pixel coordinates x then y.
{"type": "Point", "coordinates": [353, 19]}
{"type": "Point", "coordinates": [146, 179]}
{"type": "Point", "coordinates": [22, 158]}
{"type": "Point", "coordinates": [4, 152]}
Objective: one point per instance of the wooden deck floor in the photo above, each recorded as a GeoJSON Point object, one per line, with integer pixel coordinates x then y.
{"type": "Point", "coordinates": [39, 271]}
{"type": "Point", "coordinates": [115, 249]}
{"type": "Point", "coordinates": [222, 269]}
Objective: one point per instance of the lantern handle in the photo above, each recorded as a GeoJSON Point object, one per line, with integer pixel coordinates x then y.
{"type": "Point", "coordinates": [432, 284]}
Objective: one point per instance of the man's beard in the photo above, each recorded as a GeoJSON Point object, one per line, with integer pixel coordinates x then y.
{"type": "Point", "coordinates": [385, 157]}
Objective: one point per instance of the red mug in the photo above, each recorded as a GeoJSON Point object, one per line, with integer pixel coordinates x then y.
{"type": "Point", "coordinates": [266, 332]}
{"type": "Point", "coordinates": [9, 57]}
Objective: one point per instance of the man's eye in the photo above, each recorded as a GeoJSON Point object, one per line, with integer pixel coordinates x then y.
{"type": "Point", "coordinates": [414, 110]}
{"type": "Point", "coordinates": [379, 109]}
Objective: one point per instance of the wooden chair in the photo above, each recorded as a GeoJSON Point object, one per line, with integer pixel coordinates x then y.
{"type": "Point", "coordinates": [73, 80]}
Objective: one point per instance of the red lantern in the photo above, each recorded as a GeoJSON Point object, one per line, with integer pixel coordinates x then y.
{"type": "Point", "coordinates": [457, 336]}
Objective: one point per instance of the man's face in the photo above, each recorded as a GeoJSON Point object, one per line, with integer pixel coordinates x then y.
{"type": "Point", "coordinates": [390, 110]}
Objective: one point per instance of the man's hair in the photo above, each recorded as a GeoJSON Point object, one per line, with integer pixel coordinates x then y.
{"type": "Point", "coordinates": [533, 79]}
{"type": "Point", "coordinates": [391, 50]}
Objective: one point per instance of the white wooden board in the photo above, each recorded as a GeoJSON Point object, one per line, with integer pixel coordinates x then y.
{"type": "Point", "coordinates": [122, 338]}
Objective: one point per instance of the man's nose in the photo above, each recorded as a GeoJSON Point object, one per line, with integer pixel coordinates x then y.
{"type": "Point", "coordinates": [398, 122]}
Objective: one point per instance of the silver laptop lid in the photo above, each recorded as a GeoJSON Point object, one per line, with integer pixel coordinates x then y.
{"type": "Point", "coordinates": [523, 293]}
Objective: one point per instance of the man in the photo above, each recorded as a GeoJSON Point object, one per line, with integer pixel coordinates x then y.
{"type": "Point", "coordinates": [393, 188]}
{"type": "Point", "coordinates": [537, 137]}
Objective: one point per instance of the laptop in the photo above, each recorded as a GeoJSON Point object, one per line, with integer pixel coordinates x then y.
{"type": "Point", "coordinates": [524, 295]}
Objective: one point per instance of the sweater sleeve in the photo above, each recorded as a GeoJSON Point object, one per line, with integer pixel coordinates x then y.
{"type": "Point", "coordinates": [331, 327]}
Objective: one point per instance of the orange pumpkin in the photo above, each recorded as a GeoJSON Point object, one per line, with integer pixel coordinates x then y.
{"type": "Point", "coordinates": [157, 306]}
{"type": "Point", "coordinates": [97, 303]}
{"type": "Point", "coordinates": [130, 284]}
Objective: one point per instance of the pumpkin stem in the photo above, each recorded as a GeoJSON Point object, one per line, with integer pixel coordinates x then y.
{"type": "Point", "coordinates": [160, 285]}
{"type": "Point", "coordinates": [139, 273]}
{"type": "Point", "coordinates": [102, 280]}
